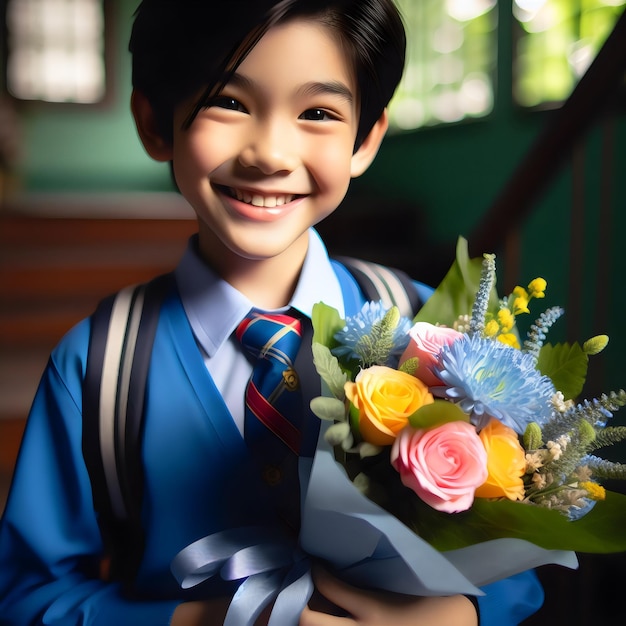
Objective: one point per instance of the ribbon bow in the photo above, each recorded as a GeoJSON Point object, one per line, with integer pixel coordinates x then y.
{"type": "Point", "coordinates": [270, 564]}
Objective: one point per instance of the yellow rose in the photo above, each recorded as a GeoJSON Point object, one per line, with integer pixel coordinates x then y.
{"type": "Point", "coordinates": [506, 463]}
{"type": "Point", "coordinates": [385, 399]}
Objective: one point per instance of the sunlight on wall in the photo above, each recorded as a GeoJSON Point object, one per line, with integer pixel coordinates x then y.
{"type": "Point", "coordinates": [56, 50]}
{"type": "Point", "coordinates": [452, 55]}
{"type": "Point", "coordinates": [451, 59]}
{"type": "Point", "coordinates": [558, 41]}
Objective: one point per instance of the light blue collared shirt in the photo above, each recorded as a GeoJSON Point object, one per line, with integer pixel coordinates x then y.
{"type": "Point", "coordinates": [215, 309]}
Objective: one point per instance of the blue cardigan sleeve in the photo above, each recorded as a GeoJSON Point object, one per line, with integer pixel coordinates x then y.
{"type": "Point", "coordinates": [49, 537]}
{"type": "Point", "coordinates": [510, 601]}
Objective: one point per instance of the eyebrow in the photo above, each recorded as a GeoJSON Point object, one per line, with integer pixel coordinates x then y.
{"type": "Point", "coordinates": [313, 88]}
{"type": "Point", "coordinates": [333, 88]}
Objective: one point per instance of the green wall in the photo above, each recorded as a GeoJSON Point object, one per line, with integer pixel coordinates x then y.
{"type": "Point", "coordinates": [87, 148]}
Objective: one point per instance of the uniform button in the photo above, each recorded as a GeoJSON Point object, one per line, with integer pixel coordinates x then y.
{"type": "Point", "coordinates": [272, 475]}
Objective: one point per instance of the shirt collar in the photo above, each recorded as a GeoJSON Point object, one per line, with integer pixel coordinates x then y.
{"type": "Point", "coordinates": [214, 308]}
{"type": "Point", "coordinates": [318, 281]}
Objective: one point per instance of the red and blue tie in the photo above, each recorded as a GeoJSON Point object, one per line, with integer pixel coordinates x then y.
{"type": "Point", "coordinates": [273, 411]}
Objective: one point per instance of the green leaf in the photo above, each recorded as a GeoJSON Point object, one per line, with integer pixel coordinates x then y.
{"type": "Point", "coordinates": [328, 368]}
{"type": "Point", "coordinates": [600, 531]}
{"type": "Point", "coordinates": [329, 409]}
{"type": "Point", "coordinates": [595, 345]}
{"type": "Point", "coordinates": [353, 415]}
{"type": "Point", "coordinates": [566, 365]}
{"type": "Point", "coordinates": [437, 413]}
{"type": "Point", "coordinates": [456, 293]}
{"type": "Point", "coordinates": [410, 366]}
{"type": "Point", "coordinates": [326, 322]}
{"type": "Point", "coordinates": [533, 437]}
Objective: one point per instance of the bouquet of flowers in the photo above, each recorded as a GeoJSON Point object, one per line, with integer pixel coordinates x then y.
{"type": "Point", "coordinates": [450, 455]}
{"type": "Point", "coordinates": [462, 431]}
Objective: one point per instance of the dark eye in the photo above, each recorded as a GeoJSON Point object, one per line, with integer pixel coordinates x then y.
{"type": "Point", "coordinates": [226, 102]}
{"type": "Point", "coordinates": [316, 115]}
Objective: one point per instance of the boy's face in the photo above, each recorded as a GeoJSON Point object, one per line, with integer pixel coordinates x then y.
{"type": "Point", "coordinates": [273, 154]}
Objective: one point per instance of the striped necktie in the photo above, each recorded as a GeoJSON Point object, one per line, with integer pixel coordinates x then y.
{"type": "Point", "coordinates": [273, 411]}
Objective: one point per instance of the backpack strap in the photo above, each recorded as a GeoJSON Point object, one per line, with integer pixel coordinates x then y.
{"type": "Point", "coordinates": [120, 347]}
{"type": "Point", "coordinates": [378, 282]}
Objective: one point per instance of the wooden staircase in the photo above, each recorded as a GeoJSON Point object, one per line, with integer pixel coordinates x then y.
{"type": "Point", "coordinates": [53, 271]}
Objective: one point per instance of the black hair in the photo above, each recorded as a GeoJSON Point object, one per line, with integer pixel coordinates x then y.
{"type": "Point", "coordinates": [180, 47]}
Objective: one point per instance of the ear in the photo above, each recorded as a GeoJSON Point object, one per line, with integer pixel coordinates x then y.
{"type": "Point", "coordinates": [145, 121]}
{"type": "Point", "coordinates": [367, 151]}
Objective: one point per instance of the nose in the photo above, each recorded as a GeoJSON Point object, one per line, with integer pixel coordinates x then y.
{"type": "Point", "coordinates": [270, 147]}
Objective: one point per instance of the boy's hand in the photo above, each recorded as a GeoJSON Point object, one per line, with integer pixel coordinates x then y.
{"type": "Point", "coordinates": [208, 613]}
{"type": "Point", "coordinates": [336, 603]}
{"type": "Point", "coordinates": [368, 608]}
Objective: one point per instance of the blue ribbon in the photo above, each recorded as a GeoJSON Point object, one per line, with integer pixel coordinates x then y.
{"type": "Point", "coordinates": [269, 563]}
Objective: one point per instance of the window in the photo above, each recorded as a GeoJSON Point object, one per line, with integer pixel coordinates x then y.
{"type": "Point", "coordinates": [558, 40]}
{"type": "Point", "coordinates": [451, 60]}
{"type": "Point", "coordinates": [55, 50]}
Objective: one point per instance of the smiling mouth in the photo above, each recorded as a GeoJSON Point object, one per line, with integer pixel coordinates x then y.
{"type": "Point", "coordinates": [268, 201]}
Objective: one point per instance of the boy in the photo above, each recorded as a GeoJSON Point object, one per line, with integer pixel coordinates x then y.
{"type": "Point", "coordinates": [265, 110]}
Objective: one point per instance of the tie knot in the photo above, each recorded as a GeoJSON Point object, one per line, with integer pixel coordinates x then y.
{"type": "Point", "coordinates": [270, 336]}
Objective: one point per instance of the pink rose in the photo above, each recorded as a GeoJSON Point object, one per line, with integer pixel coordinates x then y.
{"type": "Point", "coordinates": [443, 465]}
{"type": "Point", "coordinates": [425, 344]}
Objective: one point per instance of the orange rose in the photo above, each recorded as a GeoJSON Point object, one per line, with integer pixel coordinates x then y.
{"type": "Point", "coordinates": [506, 463]}
{"type": "Point", "coordinates": [385, 399]}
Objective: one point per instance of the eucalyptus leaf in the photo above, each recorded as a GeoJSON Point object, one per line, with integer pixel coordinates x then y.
{"type": "Point", "coordinates": [328, 368]}
{"type": "Point", "coordinates": [337, 433]}
{"type": "Point", "coordinates": [367, 450]}
{"type": "Point", "coordinates": [347, 443]}
{"type": "Point", "coordinates": [329, 409]}
{"type": "Point", "coordinates": [566, 365]}
{"type": "Point", "coordinates": [362, 483]}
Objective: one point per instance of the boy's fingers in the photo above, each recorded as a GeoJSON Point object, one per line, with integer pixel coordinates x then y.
{"type": "Point", "coordinates": [309, 617]}
{"type": "Point", "coordinates": [339, 593]}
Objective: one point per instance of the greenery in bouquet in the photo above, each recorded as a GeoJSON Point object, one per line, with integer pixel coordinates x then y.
{"type": "Point", "coordinates": [464, 431]}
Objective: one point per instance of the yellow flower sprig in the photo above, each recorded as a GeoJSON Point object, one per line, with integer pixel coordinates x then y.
{"type": "Point", "coordinates": [502, 326]}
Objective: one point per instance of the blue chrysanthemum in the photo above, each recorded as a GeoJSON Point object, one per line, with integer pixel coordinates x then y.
{"type": "Point", "coordinates": [360, 326]}
{"type": "Point", "coordinates": [489, 379]}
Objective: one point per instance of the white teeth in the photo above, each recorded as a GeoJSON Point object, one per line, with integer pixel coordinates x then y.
{"type": "Point", "coordinates": [258, 200]}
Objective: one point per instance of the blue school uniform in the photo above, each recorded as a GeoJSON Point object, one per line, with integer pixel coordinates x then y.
{"type": "Point", "coordinates": [198, 475]}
